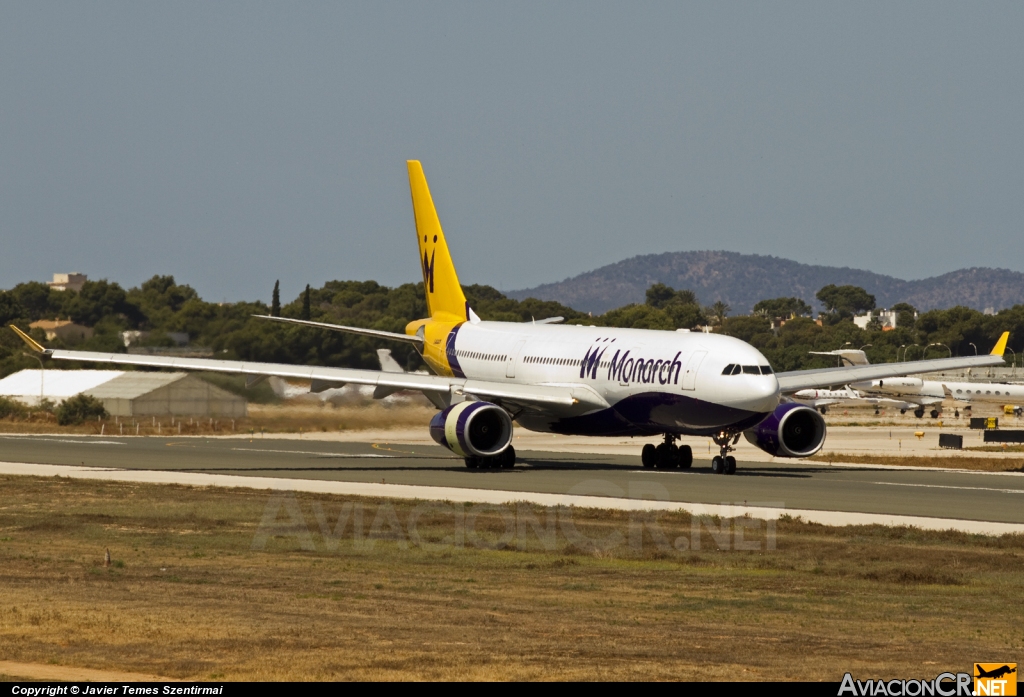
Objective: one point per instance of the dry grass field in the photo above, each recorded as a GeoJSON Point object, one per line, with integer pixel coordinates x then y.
{"type": "Point", "coordinates": [234, 584]}
{"type": "Point", "coordinates": [295, 417]}
{"type": "Point", "coordinates": [951, 461]}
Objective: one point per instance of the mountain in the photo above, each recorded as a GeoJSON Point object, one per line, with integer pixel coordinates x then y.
{"type": "Point", "coordinates": [741, 280]}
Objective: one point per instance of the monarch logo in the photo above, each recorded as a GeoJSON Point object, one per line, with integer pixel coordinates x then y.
{"type": "Point", "coordinates": [995, 679]}
{"type": "Point", "coordinates": [635, 369]}
{"type": "Point", "coordinates": [591, 361]}
{"type": "Point", "coordinates": [428, 270]}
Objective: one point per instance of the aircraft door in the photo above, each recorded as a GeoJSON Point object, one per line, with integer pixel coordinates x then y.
{"type": "Point", "coordinates": [510, 364]}
{"type": "Point", "coordinates": [690, 372]}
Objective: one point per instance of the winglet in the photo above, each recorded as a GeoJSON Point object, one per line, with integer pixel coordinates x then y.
{"type": "Point", "coordinates": [32, 343]}
{"type": "Point", "coordinates": [1000, 348]}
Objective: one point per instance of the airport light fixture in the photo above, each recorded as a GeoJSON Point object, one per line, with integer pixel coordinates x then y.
{"type": "Point", "coordinates": [864, 347]}
{"type": "Point", "coordinates": [943, 346]}
{"type": "Point", "coordinates": [1013, 370]}
{"type": "Point", "coordinates": [898, 352]}
{"type": "Point", "coordinates": [908, 350]}
{"type": "Point", "coordinates": [975, 348]}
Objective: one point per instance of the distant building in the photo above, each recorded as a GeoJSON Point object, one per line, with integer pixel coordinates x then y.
{"type": "Point", "coordinates": [887, 318]}
{"type": "Point", "coordinates": [68, 281]}
{"type": "Point", "coordinates": [131, 393]}
{"type": "Point", "coordinates": [63, 329]}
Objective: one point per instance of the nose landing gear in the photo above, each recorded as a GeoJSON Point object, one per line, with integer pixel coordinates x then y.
{"type": "Point", "coordinates": [667, 455]}
{"type": "Point", "coordinates": [724, 463]}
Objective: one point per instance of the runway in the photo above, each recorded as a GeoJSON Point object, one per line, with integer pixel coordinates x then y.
{"type": "Point", "coordinates": [973, 501]}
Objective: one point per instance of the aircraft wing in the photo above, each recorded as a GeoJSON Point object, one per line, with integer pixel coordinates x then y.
{"type": "Point", "coordinates": [523, 396]}
{"type": "Point", "coordinates": [809, 379]}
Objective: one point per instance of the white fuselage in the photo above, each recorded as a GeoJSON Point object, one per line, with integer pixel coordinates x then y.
{"type": "Point", "coordinates": [933, 391]}
{"type": "Point", "coordinates": [652, 381]}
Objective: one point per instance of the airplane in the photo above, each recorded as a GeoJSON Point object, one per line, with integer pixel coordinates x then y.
{"type": "Point", "coordinates": [568, 379]}
{"type": "Point", "coordinates": [995, 673]}
{"type": "Point", "coordinates": [932, 392]}
{"type": "Point", "coordinates": [823, 399]}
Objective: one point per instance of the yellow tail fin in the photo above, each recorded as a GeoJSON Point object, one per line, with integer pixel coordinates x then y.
{"type": "Point", "coordinates": [1000, 348]}
{"type": "Point", "coordinates": [445, 300]}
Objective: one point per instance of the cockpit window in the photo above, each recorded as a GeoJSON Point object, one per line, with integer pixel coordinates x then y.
{"type": "Point", "coordinates": [728, 369]}
{"type": "Point", "coordinates": [751, 370]}
{"type": "Point", "coordinates": [766, 370]}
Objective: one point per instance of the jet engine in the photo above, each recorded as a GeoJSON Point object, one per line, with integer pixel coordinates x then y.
{"type": "Point", "coordinates": [792, 430]}
{"type": "Point", "coordinates": [473, 429]}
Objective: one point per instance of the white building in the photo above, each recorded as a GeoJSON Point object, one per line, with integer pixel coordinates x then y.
{"type": "Point", "coordinates": [68, 281]}
{"type": "Point", "coordinates": [127, 393]}
{"type": "Point", "coordinates": [887, 318]}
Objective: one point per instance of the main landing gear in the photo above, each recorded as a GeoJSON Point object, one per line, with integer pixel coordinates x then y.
{"type": "Point", "coordinates": [724, 463]}
{"type": "Point", "coordinates": [667, 455]}
{"type": "Point", "coordinates": [504, 460]}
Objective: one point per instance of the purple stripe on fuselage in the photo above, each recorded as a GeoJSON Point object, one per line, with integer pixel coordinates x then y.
{"type": "Point", "coordinates": [449, 352]}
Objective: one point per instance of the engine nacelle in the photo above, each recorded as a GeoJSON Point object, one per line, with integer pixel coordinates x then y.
{"type": "Point", "coordinates": [793, 430]}
{"type": "Point", "coordinates": [472, 429]}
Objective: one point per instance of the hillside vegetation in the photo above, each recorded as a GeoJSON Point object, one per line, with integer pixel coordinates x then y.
{"type": "Point", "coordinates": [160, 305]}
{"type": "Point", "coordinates": [741, 280]}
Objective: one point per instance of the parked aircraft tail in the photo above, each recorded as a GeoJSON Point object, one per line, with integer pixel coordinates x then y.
{"type": "Point", "coordinates": [1000, 348]}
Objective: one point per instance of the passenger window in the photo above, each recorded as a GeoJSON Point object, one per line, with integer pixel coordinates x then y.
{"type": "Point", "coordinates": [766, 370]}
{"type": "Point", "coordinates": [728, 369]}
{"type": "Point", "coordinates": [751, 370]}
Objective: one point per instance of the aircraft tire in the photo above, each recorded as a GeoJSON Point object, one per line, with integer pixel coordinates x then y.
{"type": "Point", "coordinates": [730, 465]}
{"type": "Point", "coordinates": [718, 465]}
{"type": "Point", "coordinates": [685, 457]}
{"type": "Point", "coordinates": [935, 413]}
{"type": "Point", "coordinates": [666, 456]}
{"type": "Point", "coordinates": [508, 458]}
{"type": "Point", "coordinates": [919, 413]}
{"type": "Point", "coordinates": [648, 456]}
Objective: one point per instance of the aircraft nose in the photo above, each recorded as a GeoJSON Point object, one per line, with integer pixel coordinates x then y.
{"type": "Point", "coordinates": [764, 396]}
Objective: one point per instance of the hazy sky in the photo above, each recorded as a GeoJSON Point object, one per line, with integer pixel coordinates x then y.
{"type": "Point", "coordinates": [231, 144]}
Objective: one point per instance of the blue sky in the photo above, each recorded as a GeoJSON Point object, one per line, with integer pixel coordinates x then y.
{"type": "Point", "coordinates": [232, 144]}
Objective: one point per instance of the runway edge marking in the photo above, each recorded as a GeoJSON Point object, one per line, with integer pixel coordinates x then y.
{"type": "Point", "coordinates": [498, 497]}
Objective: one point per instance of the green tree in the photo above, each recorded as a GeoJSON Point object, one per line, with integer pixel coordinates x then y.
{"type": "Point", "coordinates": [102, 299]}
{"type": "Point", "coordinates": [904, 314]}
{"type": "Point", "coordinates": [305, 304]}
{"type": "Point", "coordinates": [10, 308]}
{"type": "Point", "coordinates": [660, 295]}
{"type": "Point", "coordinates": [79, 408]}
{"type": "Point", "coordinates": [845, 300]}
{"type": "Point", "coordinates": [39, 301]}
{"type": "Point", "coordinates": [782, 307]}
{"type": "Point", "coordinates": [718, 311]}
{"type": "Point", "coordinates": [275, 302]}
